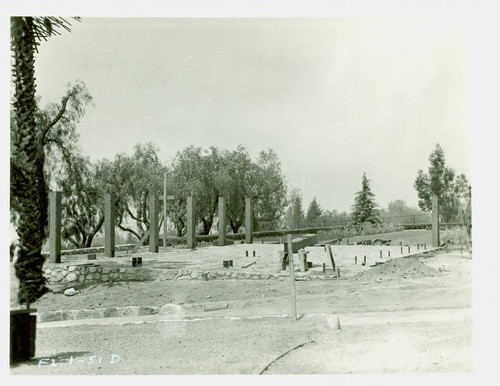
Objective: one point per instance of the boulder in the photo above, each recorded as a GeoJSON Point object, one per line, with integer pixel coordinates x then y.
{"type": "Point", "coordinates": [70, 292]}
{"type": "Point", "coordinates": [71, 277]}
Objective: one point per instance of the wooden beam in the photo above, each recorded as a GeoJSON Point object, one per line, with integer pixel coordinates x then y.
{"type": "Point", "coordinates": [330, 255]}
{"type": "Point", "coordinates": [249, 264]}
{"type": "Point", "coordinates": [292, 277]}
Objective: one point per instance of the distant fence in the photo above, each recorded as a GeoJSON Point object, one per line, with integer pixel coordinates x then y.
{"type": "Point", "coordinates": [421, 219]}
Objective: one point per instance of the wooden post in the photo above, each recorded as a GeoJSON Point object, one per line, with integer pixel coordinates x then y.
{"type": "Point", "coordinates": [279, 265]}
{"type": "Point", "coordinates": [165, 211]}
{"type": "Point", "coordinates": [191, 223]}
{"type": "Point", "coordinates": [292, 277]}
{"type": "Point", "coordinates": [435, 221]}
{"type": "Point", "coordinates": [303, 260]}
{"type": "Point", "coordinates": [153, 223]}
{"type": "Point", "coordinates": [355, 259]}
{"type": "Point", "coordinates": [248, 220]}
{"type": "Point", "coordinates": [330, 255]}
{"type": "Point", "coordinates": [55, 227]}
{"type": "Point", "coordinates": [109, 225]}
{"type": "Point", "coordinates": [222, 221]}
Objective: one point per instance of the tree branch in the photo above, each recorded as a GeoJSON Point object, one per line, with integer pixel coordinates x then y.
{"type": "Point", "coordinates": [132, 215]}
{"type": "Point", "coordinates": [75, 243]}
{"type": "Point", "coordinates": [129, 230]}
{"type": "Point", "coordinates": [59, 115]}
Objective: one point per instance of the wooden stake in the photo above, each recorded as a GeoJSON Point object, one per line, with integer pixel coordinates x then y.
{"type": "Point", "coordinates": [249, 264]}
{"type": "Point", "coordinates": [292, 277]}
{"type": "Point", "coordinates": [330, 254]}
{"type": "Point", "coordinates": [165, 211]}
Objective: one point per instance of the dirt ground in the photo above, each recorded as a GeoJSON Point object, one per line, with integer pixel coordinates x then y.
{"type": "Point", "coordinates": [395, 317]}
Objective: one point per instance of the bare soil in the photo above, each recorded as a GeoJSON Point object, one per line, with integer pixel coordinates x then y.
{"type": "Point", "coordinates": [410, 293]}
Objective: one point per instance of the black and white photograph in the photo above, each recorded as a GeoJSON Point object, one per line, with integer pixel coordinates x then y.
{"type": "Point", "coordinates": [245, 194]}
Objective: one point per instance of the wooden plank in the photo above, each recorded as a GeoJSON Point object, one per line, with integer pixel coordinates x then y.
{"type": "Point", "coordinates": [328, 248]}
{"type": "Point", "coordinates": [303, 260]}
{"type": "Point", "coordinates": [280, 266]}
{"type": "Point", "coordinates": [165, 211]}
{"type": "Point", "coordinates": [301, 242]}
{"type": "Point", "coordinates": [249, 264]}
{"type": "Point", "coordinates": [292, 277]}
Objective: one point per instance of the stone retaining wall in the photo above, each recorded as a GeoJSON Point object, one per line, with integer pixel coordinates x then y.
{"type": "Point", "coordinates": [62, 274]}
{"type": "Point", "coordinates": [82, 274]}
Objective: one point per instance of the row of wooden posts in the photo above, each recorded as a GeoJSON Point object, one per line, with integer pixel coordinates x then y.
{"type": "Point", "coordinates": [154, 223]}
{"type": "Point", "coordinates": [154, 217]}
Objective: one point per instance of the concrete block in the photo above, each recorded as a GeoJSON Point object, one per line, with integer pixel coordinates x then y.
{"type": "Point", "coordinates": [215, 306]}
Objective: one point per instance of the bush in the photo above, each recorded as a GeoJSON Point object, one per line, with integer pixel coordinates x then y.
{"type": "Point", "coordinates": [456, 235]}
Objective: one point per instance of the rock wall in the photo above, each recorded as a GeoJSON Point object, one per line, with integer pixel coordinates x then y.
{"type": "Point", "coordinates": [81, 274]}
{"type": "Point", "coordinates": [65, 274]}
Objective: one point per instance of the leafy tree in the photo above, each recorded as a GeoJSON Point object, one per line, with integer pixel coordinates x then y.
{"type": "Point", "coordinates": [211, 173]}
{"type": "Point", "coordinates": [295, 214]}
{"type": "Point", "coordinates": [364, 208]}
{"type": "Point", "coordinates": [269, 184]}
{"type": "Point", "coordinates": [237, 178]}
{"type": "Point", "coordinates": [133, 178]}
{"type": "Point", "coordinates": [28, 184]}
{"type": "Point", "coordinates": [314, 211]}
{"type": "Point", "coordinates": [444, 183]}
{"type": "Point", "coordinates": [82, 202]}
{"type": "Point", "coordinates": [194, 171]}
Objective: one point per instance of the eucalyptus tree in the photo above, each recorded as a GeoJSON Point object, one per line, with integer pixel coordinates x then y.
{"type": "Point", "coordinates": [452, 190]}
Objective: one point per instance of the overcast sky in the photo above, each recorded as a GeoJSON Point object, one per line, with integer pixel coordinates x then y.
{"type": "Point", "coordinates": [332, 97]}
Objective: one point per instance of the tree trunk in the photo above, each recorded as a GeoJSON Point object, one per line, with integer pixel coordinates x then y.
{"type": "Point", "coordinates": [207, 225]}
{"type": "Point", "coordinates": [29, 186]}
{"type": "Point", "coordinates": [180, 226]}
{"type": "Point", "coordinates": [235, 226]}
{"type": "Point", "coordinates": [94, 232]}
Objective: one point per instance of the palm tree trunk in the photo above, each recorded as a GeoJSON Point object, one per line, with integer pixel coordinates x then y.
{"type": "Point", "coordinates": [28, 184]}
